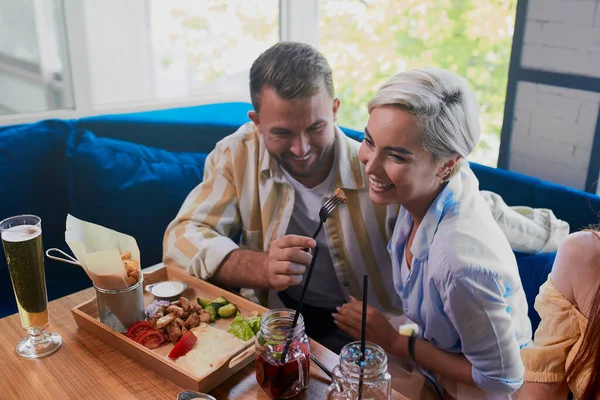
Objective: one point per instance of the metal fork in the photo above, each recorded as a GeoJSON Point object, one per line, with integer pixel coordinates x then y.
{"type": "Point", "coordinates": [325, 212]}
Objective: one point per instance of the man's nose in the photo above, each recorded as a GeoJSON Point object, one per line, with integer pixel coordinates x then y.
{"type": "Point", "coordinates": [300, 146]}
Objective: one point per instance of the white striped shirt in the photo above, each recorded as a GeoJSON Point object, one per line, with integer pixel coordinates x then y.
{"type": "Point", "coordinates": [244, 191]}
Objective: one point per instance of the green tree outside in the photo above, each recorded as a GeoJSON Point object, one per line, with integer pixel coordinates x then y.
{"type": "Point", "coordinates": [368, 41]}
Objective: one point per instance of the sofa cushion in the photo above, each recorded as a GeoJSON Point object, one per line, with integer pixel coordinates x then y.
{"type": "Point", "coordinates": [133, 189]}
{"type": "Point", "coordinates": [516, 189]}
{"type": "Point", "coordinates": [32, 174]}
{"type": "Point", "coordinates": [534, 271]}
{"type": "Point", "coordinates": [32, 170]}
{"type": "Point", "coordinates": [579, 209]}
{"type": "Point", "coordinates": [185, 129]}
{"type": "Point", "coordinates": [356, 135]}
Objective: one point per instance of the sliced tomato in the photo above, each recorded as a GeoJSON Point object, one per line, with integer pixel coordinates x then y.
{"type": "Point", "coordinates": [150, 338]}
{"type": "Point", "coordinates": [137, 329]}
{"type": "Point", "coordinates": [184, 345]}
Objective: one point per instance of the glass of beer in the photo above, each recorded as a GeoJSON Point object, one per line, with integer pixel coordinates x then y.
{"type": "Point", "coordinates": [22, 242]}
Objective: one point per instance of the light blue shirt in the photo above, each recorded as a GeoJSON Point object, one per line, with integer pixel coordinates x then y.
{"type": "Point", "coordinates": [464, 289]}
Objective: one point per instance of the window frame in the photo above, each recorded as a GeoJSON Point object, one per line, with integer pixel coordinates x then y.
{"type": "Point", "coordinates": [298, 21]}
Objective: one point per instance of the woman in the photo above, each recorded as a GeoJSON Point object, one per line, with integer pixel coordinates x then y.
{"type": "Point", "coordinates": [453, 267]}
{"type": "Point", "coordinates": [566, 347]}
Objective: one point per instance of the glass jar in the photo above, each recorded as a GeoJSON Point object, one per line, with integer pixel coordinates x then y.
{"type": "Point", "coordinates": [377, 381]}
{"type": "Point", "coordinates": [282, 379]}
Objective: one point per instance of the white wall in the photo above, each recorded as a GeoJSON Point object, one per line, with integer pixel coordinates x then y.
{"type": "Point", "coordinates": [554, 127]}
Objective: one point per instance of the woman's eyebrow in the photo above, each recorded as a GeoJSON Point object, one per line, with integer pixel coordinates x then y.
{"type": "Point", "coordinates": [401, 150]}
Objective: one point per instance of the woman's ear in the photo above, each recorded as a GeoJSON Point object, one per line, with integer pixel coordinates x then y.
{"type": "Point", "coordinates": [445, 171]}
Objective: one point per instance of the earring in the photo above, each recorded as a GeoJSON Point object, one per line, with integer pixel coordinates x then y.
{"type": "Point", "coordinates": [443, 179]}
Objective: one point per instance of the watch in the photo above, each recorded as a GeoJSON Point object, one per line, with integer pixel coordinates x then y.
{"type": "Point", "coordinates": [429, 377]}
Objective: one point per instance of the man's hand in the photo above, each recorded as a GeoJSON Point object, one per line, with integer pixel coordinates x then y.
{"type": "Point", "coordinates": [379, 330]}
{"type": "Point", "coordinates": [287, 261]}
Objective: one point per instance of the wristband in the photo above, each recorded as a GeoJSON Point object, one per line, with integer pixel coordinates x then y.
{"type": "Point", "coordinates": [411, 348]}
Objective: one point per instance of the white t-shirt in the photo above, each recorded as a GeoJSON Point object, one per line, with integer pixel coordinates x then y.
{"type": "Point", "coordinates": [324, 289]}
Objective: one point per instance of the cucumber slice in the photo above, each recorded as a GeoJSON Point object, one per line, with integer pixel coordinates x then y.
{"type": "Point", "coordinates": [216, 306]}
{"type": "Point", "coordinates": [211, 310]}
{"type": "Point", "coordinates": [203, 302]}
{"type": "Point", "coordinates": [220, 300]}
{"type": "Point", "coordinates": [227, 311]}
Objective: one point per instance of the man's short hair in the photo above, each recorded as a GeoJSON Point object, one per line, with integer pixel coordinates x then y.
{"type": "Point", "coordinates": [293, 70]}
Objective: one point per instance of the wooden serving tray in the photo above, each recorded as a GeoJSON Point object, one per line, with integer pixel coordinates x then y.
{"type": "Point", "coordinates": [86, 317]}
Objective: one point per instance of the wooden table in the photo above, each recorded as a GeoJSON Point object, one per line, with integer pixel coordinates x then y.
{"type": "Point", "coordinates": [85, 368]}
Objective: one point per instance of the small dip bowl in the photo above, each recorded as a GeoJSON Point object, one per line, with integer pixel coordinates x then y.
{"type": "Point", "coordinates": [166, 289]}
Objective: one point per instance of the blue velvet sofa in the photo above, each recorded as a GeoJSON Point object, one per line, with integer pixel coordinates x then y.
{"type": "Point", "coordinates": [131, 173]}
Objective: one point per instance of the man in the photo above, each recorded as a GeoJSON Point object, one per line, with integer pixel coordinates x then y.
{"type": "Point", "coordinates": [268, 181]}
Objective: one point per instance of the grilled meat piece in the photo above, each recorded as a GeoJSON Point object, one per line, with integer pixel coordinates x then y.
{"type": "Point", "coordinates": [185, 303]}
{"type": "Point", "coordinates": [178, 311]}
{"type": "Point", "coordinates": [174, 332]}
{"type": "Point", "coordinates": [197, 308]}
{"type": "Point", "coordinates": [204, 316]}
{"type": "Point", "coordinates": [192, 321]}
{"type": "Point", "coordinates": [180, 322]}
{"type": "Point", "coordinates": [166, 320]}
{"type": "Point", "coordinates": [160, 312]}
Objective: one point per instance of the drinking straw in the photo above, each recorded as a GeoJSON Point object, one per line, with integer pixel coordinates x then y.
{"type": "Point", "coordinates": [363, 334]}
{"type": "Point", "coordinates": [299, 306]}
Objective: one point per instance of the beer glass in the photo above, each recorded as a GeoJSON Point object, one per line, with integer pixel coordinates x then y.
{"type": "Point", "coordinates": [22, 242]}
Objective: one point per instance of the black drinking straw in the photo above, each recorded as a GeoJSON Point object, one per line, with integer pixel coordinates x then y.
{"type": "Point", "coordinates": [299, 306]}
{"type": "Point", "coordinates": [363, 334]}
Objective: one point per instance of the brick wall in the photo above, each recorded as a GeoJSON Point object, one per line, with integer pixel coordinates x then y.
{"type": "Point", "coordinates": [553, 126]}
{"type": "Point", "coordinates": [563, 36]}
{"type": "Point", "coordinates": [553, 131]}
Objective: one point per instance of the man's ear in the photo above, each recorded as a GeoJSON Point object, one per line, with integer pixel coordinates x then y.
{"type": "Point", "coordinates": [336, 107]}
{"type": "Point", "coordinates": [253, 115]}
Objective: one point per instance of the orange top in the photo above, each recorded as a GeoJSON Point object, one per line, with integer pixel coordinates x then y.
{"type": "Point", "coordinates": [557, 341]}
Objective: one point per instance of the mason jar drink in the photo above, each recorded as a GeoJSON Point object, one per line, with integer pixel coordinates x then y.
{"type": "Point", "coordinates": [22, 242]}
{"type": "Point", "coordinates": [282, 378]}
{"type": "Point", "coordinates": [376, 380]}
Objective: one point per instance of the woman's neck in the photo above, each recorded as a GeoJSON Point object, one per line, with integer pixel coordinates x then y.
{"type": "Point", "coordinates": [418, 207]}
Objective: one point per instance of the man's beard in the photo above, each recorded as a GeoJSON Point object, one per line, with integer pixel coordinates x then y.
{"type": "Point", "coordinates": [321, 158]}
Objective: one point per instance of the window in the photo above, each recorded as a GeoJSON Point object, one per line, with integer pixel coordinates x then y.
{"type": "Point", "coordinates": [368, 41]}
{"type": "Point", "coordinates": [97, 57]}
{"type": "Point", "coordinates": [34, 71]}
{"type": "Point", "coordinates": [156, 50]}
{"type": "Point", "coordinates": [117, 56]}
{"type": "Point", "coordinates": [209, 48]}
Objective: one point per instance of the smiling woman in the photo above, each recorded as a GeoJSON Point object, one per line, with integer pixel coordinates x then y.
{"type": "Point", "coordinates": [463, 292]}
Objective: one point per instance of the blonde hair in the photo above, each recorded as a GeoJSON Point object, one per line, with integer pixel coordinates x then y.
{"type": "Point", "coordinates": [443, 106]}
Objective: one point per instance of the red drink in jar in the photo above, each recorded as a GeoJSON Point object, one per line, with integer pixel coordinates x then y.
{"type": "Point", "coordinates": [279, 379]}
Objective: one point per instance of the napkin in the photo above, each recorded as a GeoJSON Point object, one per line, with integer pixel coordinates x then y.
{"type": "Point", "coordinates": [98, 250]}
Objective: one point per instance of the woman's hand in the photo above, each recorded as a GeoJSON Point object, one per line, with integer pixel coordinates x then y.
{"type": "Point", "coordinates": [379, 330]}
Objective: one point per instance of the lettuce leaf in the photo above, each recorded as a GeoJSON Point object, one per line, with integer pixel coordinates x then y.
{"type": "Point", "coordinates": [254, 323]}
{"type": "Point", "coordinates": [240, 328]}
